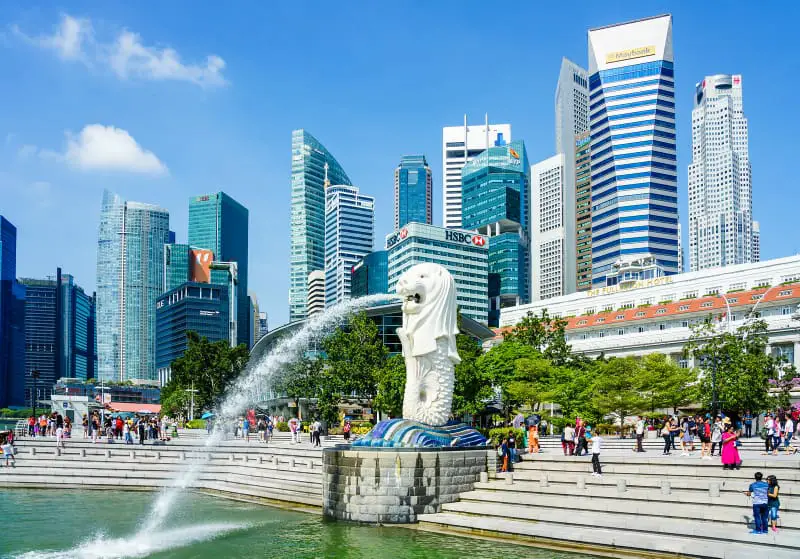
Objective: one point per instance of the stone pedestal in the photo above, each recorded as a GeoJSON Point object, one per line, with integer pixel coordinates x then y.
{"type": "Point", "coordinates": [394, 485]}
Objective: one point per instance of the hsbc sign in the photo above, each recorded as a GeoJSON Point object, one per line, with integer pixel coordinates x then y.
{"type": "Point", "coordinates": [465, 238]}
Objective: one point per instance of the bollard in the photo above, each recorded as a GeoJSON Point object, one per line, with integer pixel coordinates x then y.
{"type": "Point", "coordinates": [230, 457]}
{"type": "Point", "coordinates": [260, 459]}
{"type": "Point", "coordinates": [666, 488]}
{"type": "Point", "coordinates": [713, 489]}
{"type": "Point", "coordinates": [310, 465]}
{"type": "Point", "coordinates": [622, 486]}
{"type": "Point", "coordinates": [133, 454]}
{"type": "Point", "coordinates": [484, 477]}
{"type": "Point", "coordinates": [33, 451]}
{"type": "Point", "coordinates": [544, 482]}
{"type": "Point", "coordinates": [183, 456]}
{"type": "Point", "coordinates": [83, 453]}
{"type": "Point", "coordinates": [581, 482]}
{"type": "Point", "coordinates": [108, 454]}
{"type": "Point", "coordinates": [509, 478]}
{"type": "Point", "coordinates": [275, 462]}
{"type": "Point", "coordinates": [58, 451]}
{"type": "Point", "coordinates": [158, 456]}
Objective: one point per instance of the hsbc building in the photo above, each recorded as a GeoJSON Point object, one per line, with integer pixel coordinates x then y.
{"type": "Point", "coordinates": [464, 253]}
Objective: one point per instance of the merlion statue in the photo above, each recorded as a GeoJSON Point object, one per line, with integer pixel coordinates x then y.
{"type": "Point", "coordinates": [428, 336]}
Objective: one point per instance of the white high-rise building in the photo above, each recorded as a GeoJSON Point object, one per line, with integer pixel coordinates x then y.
{"type": "Point", "coordinates": [459, 144]}
{"type": "Point", "coordinates": [720, 189]}
{"type": "Point", "coordinates": [572, 107]}
{"type": "Point", "coordinates": [315, 287]}
{"type": "Point", "coordinates": [633, 157]}
{"type": "Point", "coordinates": [553, 270]}
{"type": "Point", "coordinates": [349, 235]}
{"type": "Point", "coordinates": [756, 242]}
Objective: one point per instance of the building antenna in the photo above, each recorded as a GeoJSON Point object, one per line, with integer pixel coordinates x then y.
{"type": "Point", "coordinates": [327, 183]}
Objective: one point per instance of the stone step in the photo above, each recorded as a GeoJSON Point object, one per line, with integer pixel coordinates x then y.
{"type": "Point", "coordinates": [788, 536]}
{"type": "Point", "coordinates": [603, 507]}
{"type": "Point", "coordinates": [588, 539]}
{"type": "Point", "coordinates": [237, 490]}
{"type": "Point", "coordinates": [734, 484]}
{"type": "Point", "coordinates": [639, 498]}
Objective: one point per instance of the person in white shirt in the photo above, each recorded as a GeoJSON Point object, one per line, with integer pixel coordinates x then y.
{"type": "Point", "coordinates": [59, 437]}
{"type": "Point", "coordinates": [597, 444]}
{"type": "Point", "coordinates": [788, 432]}
{"type": "Point", "coordinates": [639, 433]}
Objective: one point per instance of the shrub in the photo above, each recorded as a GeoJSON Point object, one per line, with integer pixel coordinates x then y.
{"type": "Point", "coordinates": [282, 426]}
{"type": "Point", "coordinates": [360, 430]}
{"type": "Point", "coordinates": [497, 435]}
{"type": "Point", "coordinates": [196, 424]}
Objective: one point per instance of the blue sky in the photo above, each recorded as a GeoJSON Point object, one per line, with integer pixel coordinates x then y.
{"type": "Point", "coordinates": [160, 101]}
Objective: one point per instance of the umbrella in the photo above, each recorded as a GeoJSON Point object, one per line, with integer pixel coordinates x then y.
{"type": "Point", "coordinates": [207, 415]}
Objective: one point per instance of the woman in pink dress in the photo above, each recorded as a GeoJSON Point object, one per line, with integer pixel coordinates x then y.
{"type": "Point", "coordinates": [730, 454]}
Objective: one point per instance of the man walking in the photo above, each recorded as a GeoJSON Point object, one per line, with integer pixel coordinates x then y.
{"type": "Point", "coordinates": [639, 433]}
{"type": "Point", "coordinates": [758, 490]}
{"type": "Point", "coordinates": [580, 436]}
{"type": "Point", "coordinates": [748, 424]}
{"type": "Point", "coordinates": [597, 443]}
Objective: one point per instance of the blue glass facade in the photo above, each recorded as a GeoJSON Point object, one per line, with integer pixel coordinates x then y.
{"type": "Point", "coordinates": [42, 336]}
{"type": "Point", "coordinates": [219, 223]}
{"type": "Point", "coordinates": [12, 321]}
{"type": "Point", "coordinates": [176, 266]}
{"type": "Point", "coordinates": [371, 275]}
{"type": "Point", "coordinates": [495, 200]}
{"type": "Point", "coordinates": [197, 307]}
{"type": "Point", "coordinates": [413, 191]}
{"type": "Point", "coordinates": [633, 153]}
{"type": "Point", "coordinates": [78, 345]}
{"type": "Point", "coordinates": [311, 163]}
{"type": "Point", "coordinates": [130, 277]}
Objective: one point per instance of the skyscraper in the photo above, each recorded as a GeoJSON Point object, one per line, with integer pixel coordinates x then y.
{"type": "Point", "coordinates": [316, 293]}
{"type": "Point", "coordinates": [12, 321]}
{"type": "Point", "coordinates": [756, 242]}
{"type": "Point", "coordinates": [459, 144]}
{"type": "Point", "coordinates": [552, 229]}
{"type": "Point", "coordinates": [572, 107]}
{"type": "Point", "coordinates": [219, 223]}
{"type": "Point", "coordinates": [307, 253]}
{"type": "Point", "coordinates": [583, 212]}
{"type": "Point", "coordinates": [413, 191]}
{"type": "Point", "coordinates": [176, 265]}
{"type": "Point", "coordinates": [496, 193]}
{"type": "Point", "coordinates": [634, 175]}
{"type": "Point", "coordinates": [371, 275]}
{"type": "Point", "coordinates": [349, 236]}
{"type": "Point", "coordinates": [130, 277]}
{"type": "Point", "coordinates": [720, 189]}
{"type": "Point", "coordinates": [59, 333]}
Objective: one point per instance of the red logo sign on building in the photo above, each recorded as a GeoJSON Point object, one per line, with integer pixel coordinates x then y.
{"type": "Point", "coordinates": [403, 233]}
{"type": "Point", "coordinates": [478, 241]}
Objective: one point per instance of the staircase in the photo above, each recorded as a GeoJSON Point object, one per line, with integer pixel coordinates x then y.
{"type": "Point", "coordinates": [668, 506]}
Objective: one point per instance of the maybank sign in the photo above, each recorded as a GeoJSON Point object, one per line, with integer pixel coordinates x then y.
{"type": "Point", "coordinates": [664, 280]}
{"type": "Point", "coordinates": [628, 54]}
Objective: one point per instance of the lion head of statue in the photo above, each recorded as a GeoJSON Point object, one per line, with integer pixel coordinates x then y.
{"type": "Point", "coordinates": [428, 292]}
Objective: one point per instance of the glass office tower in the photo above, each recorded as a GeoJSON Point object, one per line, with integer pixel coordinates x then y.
{"type": "Point", "coordinates": [371, 275]}
{"type": "Point", "coordinates": [633, 159]}
{"type": "Point", "coordinates": [312, 164]}
{"type": "Point", "coordinates": [12, 321]}
{"type": "Point", "coordinates": [413, 191]}
{"type": "Point", "coordinates": [130, 276]}
{"type": "Point", "coordinates": [219, 223]}
{"type": "Point", "coordinates": [495, 198]}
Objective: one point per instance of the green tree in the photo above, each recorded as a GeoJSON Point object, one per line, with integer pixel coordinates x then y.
{"type": "Point", "coordinates": [616, 388]}
{"type": "Point", "coordinates": [735, 366]}
{"type": "Point", "coordinates": [473, 387]}
{"type": "Point", "coordinates": [303, 378]}
{"type": "Point", "coordinates": [572, 389]}
{"type": "Point", "coordinates": [664, 384]}
{"type": "Point", "coordinates": [356, 356]}
{"type": "Point", "coordinates": [532, 381]}
{"type": "Point", "coordinates": [391, 386]}
{"type": "Point", "coordinates": [545, 334]}
{"type": "Point", "coordinates": [210, 367]}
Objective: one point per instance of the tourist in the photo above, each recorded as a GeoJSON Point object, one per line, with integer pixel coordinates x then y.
{"type": "Point", "coordinates": [85, 423]}
{"type": "Point", "coordinates": [716, 436]}
{"type": "Point", "coordinates": [8, 453]}
{"type": "Point", "coordinates": [270, 429]}
{"type": "Point", "coordinates": [788, 432]}
{"type": "Point", "coordinates": [293, 428]}
{"type": "Point", "coordinates": [748, 424]}
{"type": "Point", "coordinates": [597, 443]}
{"type": "Point", "coordinates": [687, 438]}
{"type": "Point", "coordinates": [503, 452]}
{"type": "Point", "coordinates": [316, 427]}
{"type": "Point", "coordinates": [769, 426]}
{"type": "Point", "coordinates": [666, 434]}
{"type": "Point", "coordinates": [730, 454]}
{"type": "Point", "coordinates": [704, 432]}
{"type": "Point", "coordinates": [246, 429]}
{"type": "Point", "coordinates": [533, 439]}
{"type": "Point", "coordinates": [142, 428]}
{"type": "Point", "coordinates": [67, 428]}
{"type": "Point", "coordinates": [346, 430]}
{"type": "Point", "coordinates": [95, 428]}
{"type": "Point", "coordinates": [512, 447]}
{"type": "Point", "coordinates": [776, 434]}
{"type": "Point", "coordinates": [759, 490]}
{"type": "Point", "coordinates": [639, 430]}
{"type": "Point", "coordinates": [773, 501]}
{"type": "Point", "coordinates": [580, 438]}
{"type": "Point", "coordinates": [567, 440]}
{"type": "Point", "coordinates": [126, 433]}
{"type": "Point", "coordinates": [31, 423]}
{"type": "Point", "coordinates": [60, 436]}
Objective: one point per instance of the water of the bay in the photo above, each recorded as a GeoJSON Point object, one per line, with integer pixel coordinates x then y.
{"type": "Point", "coordinates": [87, 524]}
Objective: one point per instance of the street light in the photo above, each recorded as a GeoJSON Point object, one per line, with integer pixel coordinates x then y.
{"type": "Point", "coordinates": [191, 408]}
{"type": "Point", "coordinates": [35, 377]}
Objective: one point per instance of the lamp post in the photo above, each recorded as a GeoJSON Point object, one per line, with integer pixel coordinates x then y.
{"type": "Point", "coordinates": [35, 377]}
{"type": "Point", "coordinates": [191, 405]}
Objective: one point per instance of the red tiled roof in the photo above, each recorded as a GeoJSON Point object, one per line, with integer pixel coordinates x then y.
{"type": "Point", "coordinates": [698, 305]}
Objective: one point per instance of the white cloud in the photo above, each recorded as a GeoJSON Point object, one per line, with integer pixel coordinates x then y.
{"type": "Point", "coordinates": [126, 55]}
{"type": "Point", "coordinates": [99, 147]}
